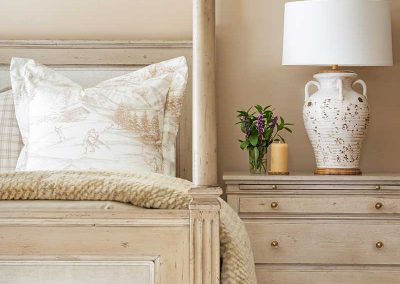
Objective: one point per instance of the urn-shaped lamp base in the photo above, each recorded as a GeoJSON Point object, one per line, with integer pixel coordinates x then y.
{"type": "Point", "coordinates": [336, 118]}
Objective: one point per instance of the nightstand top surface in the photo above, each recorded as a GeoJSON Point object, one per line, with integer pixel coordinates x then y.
{"type": "Point", "coordinates": [245, 176]}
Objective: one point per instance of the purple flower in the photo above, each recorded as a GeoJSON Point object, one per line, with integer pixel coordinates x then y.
{"type": "Point", "coordinates": [260, 127]}
{"type": "Point", "coordinates": [246, 126]}
{"type": "Point", "coordinates": [274, 121]}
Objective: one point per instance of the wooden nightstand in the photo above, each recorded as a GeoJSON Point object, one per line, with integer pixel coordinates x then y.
{"type": "Point", "coordinates": [308, 229]}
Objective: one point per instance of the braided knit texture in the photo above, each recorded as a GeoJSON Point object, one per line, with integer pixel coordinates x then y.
{"type": "Point", "coordinates": [143, 190]}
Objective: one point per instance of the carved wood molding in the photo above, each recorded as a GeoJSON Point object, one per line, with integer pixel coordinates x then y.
{"type": "Point", "coordinates": [204, 235]}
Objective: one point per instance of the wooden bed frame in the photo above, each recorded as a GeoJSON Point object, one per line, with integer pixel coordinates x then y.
{"type": "Point", "coordinates": [121, 244]}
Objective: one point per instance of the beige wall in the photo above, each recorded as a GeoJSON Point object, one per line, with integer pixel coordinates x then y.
{"type": "Point", "coordinates": [249, 69]}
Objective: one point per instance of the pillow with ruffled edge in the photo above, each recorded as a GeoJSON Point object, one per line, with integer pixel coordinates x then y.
{"type": "Point", "coordinates": [30, 79]}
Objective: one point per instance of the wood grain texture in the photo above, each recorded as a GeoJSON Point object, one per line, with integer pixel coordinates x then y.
{"type": "Point", "coordinates": [111, 243]}
{"type": "Point", "coordinates": [204, 95]}
{"type": "Point", "coordinates": [321, 204]}
{"type": "Point", "coordinates": [205, 246]}
{"type": "Point", "coordinates": [308, 229]}
{"type": "Point", "coordinates": [327, 275]}
{"type": "Point", "coordinates": [185, 242]}
{"type": "Point", "coordinates": [325, 242]}
{"type": "Point", "coordinates": [79, 271]}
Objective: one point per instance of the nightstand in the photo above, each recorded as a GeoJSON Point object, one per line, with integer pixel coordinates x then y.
{"type": "Point", "coordinates": [309, 229]}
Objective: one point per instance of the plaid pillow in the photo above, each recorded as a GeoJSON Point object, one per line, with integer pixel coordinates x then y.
{"type": "Point", "coordinates": [10, 137]}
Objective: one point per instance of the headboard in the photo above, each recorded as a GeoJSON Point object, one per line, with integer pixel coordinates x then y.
{"type": "Point", "coordinates": [90, 62]}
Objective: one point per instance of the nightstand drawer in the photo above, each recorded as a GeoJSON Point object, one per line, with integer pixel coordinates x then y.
{"type": "Point", "coordinates": [320, 204]}
{"type": "Point", "coordinates": [327, 275]}
{"type": "Point", "coordinates": [325, 241]}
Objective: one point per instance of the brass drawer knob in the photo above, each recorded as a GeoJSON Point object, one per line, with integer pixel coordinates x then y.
{"type": "Point", "coordinates": [274, 244]}
{"type": "Point", "coordinates": [378, 205]}
{"type": "Point", "coordinates": [378, 187]}
{"type": "Point", "coordinates": [274, 205]}
{"type": "Point", "coordinates": [274, 187]}
{"type": "Point", "coordinates": [379, 245]}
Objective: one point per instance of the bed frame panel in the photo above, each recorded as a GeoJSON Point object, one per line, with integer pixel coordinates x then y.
{"type": "Point", "coordinates": [151, 246]}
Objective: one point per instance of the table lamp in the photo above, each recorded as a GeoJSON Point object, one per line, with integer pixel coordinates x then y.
{"type": "Point", "coordinates": [337, 33]}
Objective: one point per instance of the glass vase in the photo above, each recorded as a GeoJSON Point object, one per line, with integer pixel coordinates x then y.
{"type": "Point", "coordinates": [258, 160]}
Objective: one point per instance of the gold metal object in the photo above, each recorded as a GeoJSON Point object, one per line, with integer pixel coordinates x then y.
{"type": "Point", "coordinates": [274, 187]}
{"type": "Point", "coordinates": [379, 245]}
{"type": "Point", "coordinates": [350, 172]}
{"type": "Point", "coordinates": [274, 244]}
{"type": "Point", "coordinates": [274, 205]}
{"type": "Point", "coordinates": [378, 205]}
{"type": "Point", "coordinates": [378, 187]}
{"type": "Point", "coordinates": [335, 69]}
{"type": "Point", "coordinates": [278, 173]}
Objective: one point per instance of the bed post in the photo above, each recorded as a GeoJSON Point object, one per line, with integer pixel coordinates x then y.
{"type": "Point", "coordinates": [205, 206]}
{"type": "Point", "coordinates": [204, 104]}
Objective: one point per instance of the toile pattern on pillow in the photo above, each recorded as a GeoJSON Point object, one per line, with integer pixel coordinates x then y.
{"type": "Point", "coordinates": [115, 125]}
{"type": "Point", "coordinates": [10, 137]}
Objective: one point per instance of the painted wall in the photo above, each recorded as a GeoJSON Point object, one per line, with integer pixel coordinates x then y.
{"type": "Point", "coordinates": [249, 68]}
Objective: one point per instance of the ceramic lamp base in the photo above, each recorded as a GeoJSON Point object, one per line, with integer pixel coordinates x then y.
{"type": "Point", "coordinates": [350, 172]}
{"type": "Point", "coordinates": [336, 119]}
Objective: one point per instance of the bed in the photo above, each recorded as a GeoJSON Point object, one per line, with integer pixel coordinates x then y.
{"type": "Point", "coordinates": [103, 241]}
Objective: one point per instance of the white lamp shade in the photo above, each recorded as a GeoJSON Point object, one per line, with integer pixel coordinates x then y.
{"type": "Point", "coordinates": [338, 32]}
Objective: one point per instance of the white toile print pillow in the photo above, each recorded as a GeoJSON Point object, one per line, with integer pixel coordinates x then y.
{"type": "Point", "coordinates": [116, 125]}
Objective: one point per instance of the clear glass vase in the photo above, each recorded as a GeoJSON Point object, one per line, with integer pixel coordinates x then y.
{"type": "Point", "coordinates": [258, 160]}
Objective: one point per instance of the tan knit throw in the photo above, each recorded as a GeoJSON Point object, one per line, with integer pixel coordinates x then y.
{"type": "Point", "coordinates": [142, 190]}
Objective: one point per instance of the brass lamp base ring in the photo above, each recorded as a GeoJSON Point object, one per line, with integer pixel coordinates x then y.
{"type": "Point", "coordinates": [278, 173]}
{"type": "Point", "coordinates": [332, 171]}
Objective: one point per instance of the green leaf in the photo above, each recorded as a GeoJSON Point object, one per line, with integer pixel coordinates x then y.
{"type": "Point", "coordinates": [283, 140]}
{"type": "Point", "coordinates": [259, 108]}
{"type": "Point", "coordinates": [242, 127]}
{"type": "Point", "coordinates": [288, 129]}
{"type": "Point", "coordinates": [268, 133]}
{"type": "Point", "coordinates": [253, 139]}
{"type": "Point", "coordinates": [282, 120]}
{"type": "Point", "coordinates": [256, 154]}
{"type": "Point", "coordinates": [244, 145]}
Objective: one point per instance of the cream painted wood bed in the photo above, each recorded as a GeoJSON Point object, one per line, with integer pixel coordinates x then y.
{"type": "Point", "coordinates": [107, 242]}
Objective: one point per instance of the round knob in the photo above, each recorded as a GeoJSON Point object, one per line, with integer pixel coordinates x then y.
{"type": "Point", "coordinates": [377, 187]}
{"type": "Point", "coordinates": [274, 187]}
{"type": "Point", "coordinates": [378, 205]}
{"type": "Point", "coordinates": [274, 205]}
{"type": "Point", "coordinates": [379, 245]}
{"type": "Point", "coordinates": [274, 244]}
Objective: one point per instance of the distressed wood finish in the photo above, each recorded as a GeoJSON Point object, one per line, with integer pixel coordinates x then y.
{"type": "Point", "coordinates": [181, 245]}
{"type": "Point", "coordinates": [128, 236]}
{"type": "Point", "coordinates": [320, 229]}
{"type": "Point", "coordinates": [104, 57]}
{"type": "Point", "coordinates": [178, 246]}
{"type": "Point", "coordinates": [323, 275]}
{"type": "Point", "coordinates": [204, 101]}
{"type": "Point", "coordinates": [134, 271]}
{"type": "Point", "coordinates": [204, 235]}
{"type": "Point", "coordinates": [321, 204]}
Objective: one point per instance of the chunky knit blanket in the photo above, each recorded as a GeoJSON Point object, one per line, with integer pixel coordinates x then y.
{"type": "Point", "coordinates": [143, 190]}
